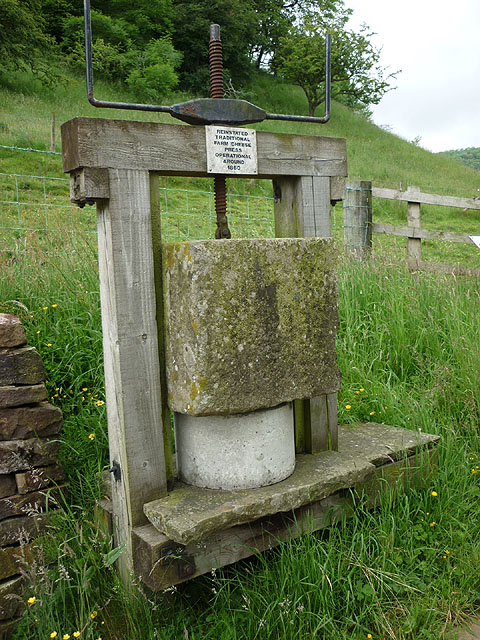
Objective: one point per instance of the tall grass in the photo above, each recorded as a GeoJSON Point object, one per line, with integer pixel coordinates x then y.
{"type": "Point", "coordinates": [408, 351]}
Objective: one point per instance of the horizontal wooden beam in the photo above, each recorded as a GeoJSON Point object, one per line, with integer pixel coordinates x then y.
{"type": "Point", "coordinates": [450, 269]}
{"type": "Point", "coordinates": [181, 150]}
{"type": "Point", "coordinates": [422, 234]}
{"type": "Point", "coordinates": [426, 198]}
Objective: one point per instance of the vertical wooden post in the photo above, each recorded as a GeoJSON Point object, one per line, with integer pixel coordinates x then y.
{"type": "Point", "coordinates": [130, 343]}
{"type": "Point", "coordinates": [357, 218]}
{"type": "Point", "coordinates": [158, 274]}
{"type": "Point", "coordinates": [302, 209]}
{"type": "Point", "coordinates": [414, 245]}
{"type": "Point", "coordinates": [52, 134]}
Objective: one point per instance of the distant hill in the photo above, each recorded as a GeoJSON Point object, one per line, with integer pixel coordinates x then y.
{"type": "Point", "coordinates": [469, 157]}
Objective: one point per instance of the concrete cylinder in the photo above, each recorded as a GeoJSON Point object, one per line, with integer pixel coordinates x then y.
{"type": "Point", "coordinates": [240, 451]}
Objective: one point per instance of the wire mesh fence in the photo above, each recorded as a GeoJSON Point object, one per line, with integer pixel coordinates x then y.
{"type": "Point", "coordinates": [36, 215]}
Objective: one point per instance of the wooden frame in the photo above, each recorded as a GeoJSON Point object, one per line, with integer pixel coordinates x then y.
{"type": "Point", "coordinates": [115, 164]}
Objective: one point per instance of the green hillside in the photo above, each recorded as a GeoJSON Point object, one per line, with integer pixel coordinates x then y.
{"type": "Point", "coordinates": [470, 156]}
{"type": "Point", "coordinates": [373, 154]}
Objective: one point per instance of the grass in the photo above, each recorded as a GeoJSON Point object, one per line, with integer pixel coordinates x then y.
{"type": "Point", "coordinates": [408, 352]}
{"type": "Point", "coordinates": [411, 344]}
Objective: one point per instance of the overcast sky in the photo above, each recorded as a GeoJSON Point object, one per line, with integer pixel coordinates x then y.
{"type": "Point", "coordinates": [436, 43]}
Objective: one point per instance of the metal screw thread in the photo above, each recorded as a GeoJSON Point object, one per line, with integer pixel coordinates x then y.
{"type": "Point", "coordinates": [215, 65]}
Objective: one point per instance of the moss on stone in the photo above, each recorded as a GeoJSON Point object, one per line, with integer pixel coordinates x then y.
{"type": "Point", "coordinates": [256, 318]}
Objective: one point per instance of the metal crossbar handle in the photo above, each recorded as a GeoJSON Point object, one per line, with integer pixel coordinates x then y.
{"type": "Point", "coordinates": [204, 110]}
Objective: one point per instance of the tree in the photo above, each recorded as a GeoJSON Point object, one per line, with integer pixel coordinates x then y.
{"type": "Point", "coordinates": [192, 21]}
{"type": "Point", "coordinates": [23, 39]}
{"type": "Point", "coordinates": [153, 73]}
{"type": "Point", "coordinates": [358, 80]}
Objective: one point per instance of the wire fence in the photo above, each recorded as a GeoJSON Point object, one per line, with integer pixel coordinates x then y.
{"type": "Point", "coordinates": [36, 214]}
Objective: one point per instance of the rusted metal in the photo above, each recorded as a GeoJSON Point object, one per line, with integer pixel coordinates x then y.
{"type": "Point", "coordinates": [214, 111]}
{"type": "Point", "coordinates": [201, 112]}
{"type": "Point", "coordinates": [215, 65]}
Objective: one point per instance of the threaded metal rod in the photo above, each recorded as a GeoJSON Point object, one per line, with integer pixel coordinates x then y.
{"type": "Point", "coordinates": [215, 66]}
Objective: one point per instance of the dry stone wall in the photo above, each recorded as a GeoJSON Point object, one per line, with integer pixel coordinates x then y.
{"type": "Point", "coordinates": [30, 476]}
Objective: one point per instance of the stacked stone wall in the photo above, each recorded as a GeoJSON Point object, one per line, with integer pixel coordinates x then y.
{"type": "Point", "coordinates": [30, 475]}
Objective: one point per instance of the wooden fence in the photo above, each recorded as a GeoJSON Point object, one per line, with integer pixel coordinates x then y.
{"type": "Point", "coordinates": [359, 226]}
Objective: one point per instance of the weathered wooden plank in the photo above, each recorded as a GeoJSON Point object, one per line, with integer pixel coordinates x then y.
{"type": "Point", "coordinates": [158, 278]}
{"type": "Point", "coordinates": [130, 343]}
{"type": "Point", "coordinates": [452, 269]}
{"type": "Point", "coordinates": [316, 432]}
{"type": "Point", "coordinates": [332, 415]}
{"type": "Point", "coordinates": [426, 198]}
{"type": "Point", "coordinates": [414, 245]}
{"type": "Point", "coordinates": [180, 150]}
{"type": "Point", "coordinates": [423, 234]}
{"type": "Point", "coordinates": [299, 408]}
{"type": "Point", "coordinates": [88, 185]}
{"type": "Point", "coordinates": [285, 207]}
{"type": "Point", "coordinates": [321, 207]}
{"type": "Point", "coordinates": [162, 563]}
{"type": "Point", "coordinates": [337, 189]}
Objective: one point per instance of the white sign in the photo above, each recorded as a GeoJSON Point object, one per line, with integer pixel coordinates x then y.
{"type": "Point", "coordinates": [231, 151]}
{"type": "Point", "coordinates": [476, 240]}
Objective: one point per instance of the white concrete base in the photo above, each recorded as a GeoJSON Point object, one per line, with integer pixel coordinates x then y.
{"type": "Point", "coordinates": [241, 451]}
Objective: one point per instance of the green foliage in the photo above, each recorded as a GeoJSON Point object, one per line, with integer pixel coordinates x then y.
{"type": "Point", "coordinates": [23, 44]}
{"type": "Point", "coordinates": [192, 21]}
{"type": "Point", "coordinates": [154, 72]}
{"type": "Point", "coordinates": [469, 156]}
{"type": "Point", "coordinates": [357, 78]}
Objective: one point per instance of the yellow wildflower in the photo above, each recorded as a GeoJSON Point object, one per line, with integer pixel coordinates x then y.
{"type": "Point", "coordinates": [54, 306]}
{"type": "Point", "coordinates": [49, 344]}
{"type": "Point", "coordinates": [447, 552]}
{"type": "Point", "coordinates": [94, 614]}
{"type": "Point", "coordinates": [348, 406]}
{"type": "Point", "coordinates": [91, 437]}
{"type": "Point", "coordinates": [372, 413]}
{"type": "Point", "coordinates": [362, 390]}
{"type": "Point", "coordinates": [432, 524]}
{"type": "Point", "coordinates": [434, 494]}
{"type": "Point", "coordinates": [369, 636]}
{"type": "Point", "coordinates": [76, 634]}
{"type": "Point", "coordinates": [474, 471]}
{"type": "Point", "coordinates": [44, 308]}
{"type": "Point", "coordinates": [84, 389]}
{"type": "Point", "coordinates": [31, 600]}
{"type": "Point", "coordinates": [65, 636]}
{"type": "Point", "coordinates": [54, 634]}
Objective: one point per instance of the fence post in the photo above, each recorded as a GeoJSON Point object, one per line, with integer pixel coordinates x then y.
{"type": "Point", "coordinates": [52, 134]}
{"type": "Point", "coordinates": [414, 245]}
{"type": "Point", "coordinates": [357, 218]}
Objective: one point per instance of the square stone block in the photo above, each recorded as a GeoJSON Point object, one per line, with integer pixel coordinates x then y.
{"type": "Point", "coordinates": [250, 323]}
